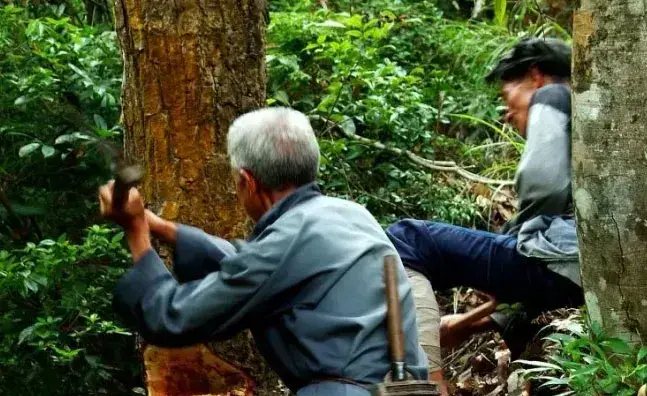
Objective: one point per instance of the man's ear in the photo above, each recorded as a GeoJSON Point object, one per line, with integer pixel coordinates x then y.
{"type": "Point", "coordinates": [538, 78]}
{"type": "Point", "coordinates": [248, 178]}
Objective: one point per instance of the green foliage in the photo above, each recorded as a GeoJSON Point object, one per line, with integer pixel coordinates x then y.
{"type": "Point", "coordinates": [60, 96]}
{"type": "Point", "coordinates": [402, 74]}
{"type": "Point", "coordinates": [369, 73]}
{"type": "Point", "coordinates": [408, 74]}
{"type": "Point", "coordinates": [587, 362]}
{"type": "Point", "coordinates": [59, 335]}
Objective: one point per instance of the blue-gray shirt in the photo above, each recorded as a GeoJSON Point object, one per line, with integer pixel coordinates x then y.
{"type": "Point", "coordinates": [308, 283]}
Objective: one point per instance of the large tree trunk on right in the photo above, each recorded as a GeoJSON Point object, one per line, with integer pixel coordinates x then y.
{"type": "Point", "coordinates": [191, 67]}
{"type": "Point", "coordinates": [610, 161]}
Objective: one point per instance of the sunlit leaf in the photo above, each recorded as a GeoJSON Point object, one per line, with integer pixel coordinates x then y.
{"type": "Point", "coordinates": [28, 149]}
{"type": "Point", "coordinates": [48, 151]}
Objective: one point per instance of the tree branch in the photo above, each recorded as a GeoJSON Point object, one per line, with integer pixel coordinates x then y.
{"type": "Point", "coordinates": [443, 166]}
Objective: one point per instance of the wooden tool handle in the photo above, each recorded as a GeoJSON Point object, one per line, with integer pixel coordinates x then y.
{"type": "Point", "coordinates": [125, 179]}
{"type": "Point", "coordinates": [394, 317]}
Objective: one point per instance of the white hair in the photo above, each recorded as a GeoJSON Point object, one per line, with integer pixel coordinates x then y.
{"type": "Point", "coordinates": [277, 145]}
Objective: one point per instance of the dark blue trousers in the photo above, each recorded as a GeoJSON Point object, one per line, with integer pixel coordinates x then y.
{"type": "Point", "coordinates": [451, 256]}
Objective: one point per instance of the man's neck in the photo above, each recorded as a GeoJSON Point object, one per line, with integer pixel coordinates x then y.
{"type": "Point", "coordinates": [276, 196]}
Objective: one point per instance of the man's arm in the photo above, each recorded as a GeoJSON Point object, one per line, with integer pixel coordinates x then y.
{"type": "Point", "coordinates": [197, 253]}
{"type": "Point", "coordinates": [168, 313]}
{"type": "Point", "coordinates": [544, 175]}
{"type": "Point", "coordinates": [164, 230]}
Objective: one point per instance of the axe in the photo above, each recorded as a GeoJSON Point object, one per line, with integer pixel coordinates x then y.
{"type": "Point", "coordinates": [401, 384]}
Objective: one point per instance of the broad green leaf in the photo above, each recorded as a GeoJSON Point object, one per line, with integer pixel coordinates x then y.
{"type": "Point", "coordinates": [25, 333]}
{"type": "Point", "coordinates": [586, 371]}
{"type": "Point", "coordinates": [332, 24]}
{"type": "Point", "coordinates": [641, 354]}
{"type": "Point", "coordinates": [47, 151]}
{"type": "Point", "coordinates": [28, 149]}
{"type": "Point", "coordinates": [282, 97]}
{"type": "Point", "coordinates": [31, 285]}
{"type": "Point", "coordinates": [355, 21]}
{"type": "Point", "coordinates": [348, 126]}
{"type": "Point", "coordinates": [21, 100]}
{"type": "Point", "coordinates": [79, 71]}
{"type": "Point", "coordinates": [35, 29]}
{"type": "Point", "coordinates": [118, 237]}
{"type": "Point", "coordinates": [617, 346]}
{"type": "Point", "coordinates": [100, 122]}
{"type": "Point", "coordinates": [64, 139]}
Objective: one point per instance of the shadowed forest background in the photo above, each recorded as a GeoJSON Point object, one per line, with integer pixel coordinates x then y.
{"type": "Point", "coordinates": [407, 127]}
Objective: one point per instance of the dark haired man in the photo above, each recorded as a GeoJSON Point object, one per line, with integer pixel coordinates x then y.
{"type": "Point", "coordinates": [534, 261]}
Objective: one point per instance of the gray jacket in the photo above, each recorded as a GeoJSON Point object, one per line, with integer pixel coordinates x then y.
{"type": "Point", "coordinates": [308, 283]}
{"type": "Point", "coordinates": [545, 225]}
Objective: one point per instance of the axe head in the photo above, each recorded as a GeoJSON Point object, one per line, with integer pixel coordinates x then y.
{"type": "Point", "coordinates": [406, 388]}
{"type": "Point", "coordinates": [129, 175]}
{"type": "Point", "coordinates": [126, 178]}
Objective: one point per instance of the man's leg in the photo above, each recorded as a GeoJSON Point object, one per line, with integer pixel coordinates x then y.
{"type": "Point", "coordinates": [428, 323]}
{"type": "Point", "coordinates": [451, 256]}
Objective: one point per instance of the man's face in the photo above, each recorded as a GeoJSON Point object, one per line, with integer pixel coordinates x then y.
{"type": "Point", "coordinates": [517, 95]}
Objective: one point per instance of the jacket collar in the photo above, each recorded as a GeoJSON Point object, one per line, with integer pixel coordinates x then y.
{"type": "Point", "coordinates": [297, 197]}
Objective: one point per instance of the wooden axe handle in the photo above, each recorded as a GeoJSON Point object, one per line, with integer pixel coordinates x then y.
{"type": "Point", "coordinates": [394, 319]}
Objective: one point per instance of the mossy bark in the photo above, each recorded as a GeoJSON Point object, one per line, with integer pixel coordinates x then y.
{"type": "Point", "coordinates": [610, 161]}
{"type": "Point", "coordinates": [191, 67]}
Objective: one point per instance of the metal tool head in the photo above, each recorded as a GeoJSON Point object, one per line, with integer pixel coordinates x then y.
{"type": "Point", "coordinates": [129, 175]}
{"type": "Point", "coordinates": [126, 178]}
{"type": "Point", "coordinates": [406, 388]}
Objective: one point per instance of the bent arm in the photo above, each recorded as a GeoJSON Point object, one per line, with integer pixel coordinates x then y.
{"type": "Point", "coordinates": [544, 173]}
{"type": "Point", "coordinates": [197, 253]}
{"type": "Point", "coordinates": [171, 314]}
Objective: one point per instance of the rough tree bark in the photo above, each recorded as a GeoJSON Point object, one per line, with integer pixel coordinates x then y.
{"type": "Point", "coordinates": [190, 67]}
{"type": "Point", "coordinates": [610, 161]}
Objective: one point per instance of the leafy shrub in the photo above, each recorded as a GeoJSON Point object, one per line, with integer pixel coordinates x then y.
{"type": "Point", "coordinates": [60, 90]}
{"type": "Point", "coordinates": [584, 361]}
{"type": "Point", "coordinates": [398, 74]}
{"type": "Point", "coordinates": [59, 335]}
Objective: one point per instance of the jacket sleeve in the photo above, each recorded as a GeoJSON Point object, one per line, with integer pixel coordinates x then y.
{"type": "Point", "coordinates": [217, 306]}
{"type": "Point", "coordinates": [198, 254]}
{"type": "Point", "coordinates": [544, 173]}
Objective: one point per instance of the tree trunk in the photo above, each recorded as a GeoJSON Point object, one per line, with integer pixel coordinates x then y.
{"type": "Point", "coordinates": [610, 161]}
{"type": "Point", "coordinates": [191, 67]}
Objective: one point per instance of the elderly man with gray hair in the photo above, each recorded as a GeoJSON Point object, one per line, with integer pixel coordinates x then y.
{"type": "Point", "coordinates": [307, 282]}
